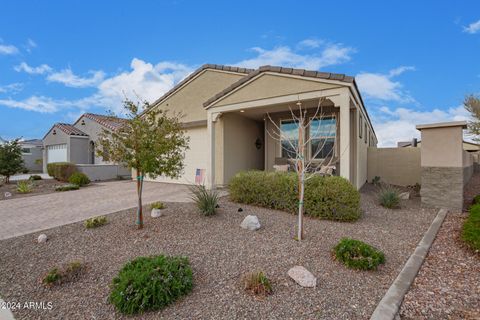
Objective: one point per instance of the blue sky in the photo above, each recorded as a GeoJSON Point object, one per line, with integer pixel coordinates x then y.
{"type": "Point", "coordinates": [414, 60]}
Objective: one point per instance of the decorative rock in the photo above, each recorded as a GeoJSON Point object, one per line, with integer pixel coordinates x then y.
{"type": "Point", "coordinates": [42, 238]}
{"type": "Point", "coordinates": [250, 223]}
{"type": "Point", "coordinates": [156, 213]}
{"type": "Point", "coordinates": [404, 195]}
{"type": "Point", "coordinates": [303, 277]}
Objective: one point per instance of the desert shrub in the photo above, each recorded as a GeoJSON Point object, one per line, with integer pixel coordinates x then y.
{"type": "Point", "coordinates": [157, 205]}
{"type": "Point", "coordinates": [24, 186]}
{"type": "Point", "coordinates": [356, 254]}
{"type": "Point", "coordinates": [332, 197]}
{"type": "Point", "coordinates": [79, 179]}
{"type": "Point", "coordinates": [35, 177]}
{"type": "Point", "coordinates": [471, 228]}
{"type": "Point", "coordinates": [476, 199]}
{"type": "Point", "coordinates": [257, 283]}
{"type": "Point", "coordinates": [67, 187]}
{"type": "Point", "coordinates": [389, 197]}
{"type": "Point", "coordinates": [206, 200]}
{"type": "Point", "coordinates": [151, 283]}
{"type": "Point", "coordinates": [64, 274]}
{"type": "Point", "coordinates": [376, 180]}
{"type": "Point", "coordinates": [61, 170]}
{"type": "Point", "coordinates": [95, 222]}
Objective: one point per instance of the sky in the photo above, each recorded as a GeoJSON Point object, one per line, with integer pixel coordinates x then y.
{"type": "Point", "coordinates": [414, 61]}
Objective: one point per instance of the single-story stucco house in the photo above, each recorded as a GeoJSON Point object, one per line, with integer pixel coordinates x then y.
{"type": "Point", "coordinates": [76, 143]}
{"type": "Point", "coordinates": [32, 154]}
{"type": "Point", "coordinates": [225, 116]}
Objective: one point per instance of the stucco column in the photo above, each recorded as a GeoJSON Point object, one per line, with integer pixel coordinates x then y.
{"type": "Point", "coordinates": [344, 104]}
{"type": "Point", "coordinates": [211, 120]}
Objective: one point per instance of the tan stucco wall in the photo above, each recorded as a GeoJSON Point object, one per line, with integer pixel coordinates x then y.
{"type": "Point", "coordinates": [442, 147]}
{"type": "Point", "coordinates": [240, 152]}
{"type": "Point", "coordinates": [93, 129]}
{"type": "Point", "coordinates": [190, 98]}
{"type": "Point", "coordinates": [268, 85]}
{"type": "Point", "coordinates": [398, 166]}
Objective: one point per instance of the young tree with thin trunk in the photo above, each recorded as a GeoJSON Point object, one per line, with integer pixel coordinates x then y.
{"type": "Point", "coordinates": [472, 105]}
{"type": "Point", "coordinates": [11, 161]}
{"type": "Point", "coordinates": [296, 148]}
{"type": "Point", "coordinates": [152, 143]}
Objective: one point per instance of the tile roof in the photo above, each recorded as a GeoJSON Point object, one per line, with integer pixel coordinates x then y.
{"type": "Point", "coordinates": [196, 72]}
{"type": "Point", "coordinates": [37, 142]}
{"type": "Point", "coordinates": [292, 71]}
{"type": "Point", "coordinates": [70, 129]}
{"type": "Point", "coordinates": [110, 122]}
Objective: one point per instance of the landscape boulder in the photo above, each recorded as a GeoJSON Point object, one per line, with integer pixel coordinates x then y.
{"type": "Point", "coordinates": [404, 195]}
{"type": "Point", "coordinates": [303, 277]}
{"type": "Point", "coordinates": [250, 223]}
{"type": "Point", "coordinates": [156, 213]}
{"type": "Point", "coordinates": [42, 238]}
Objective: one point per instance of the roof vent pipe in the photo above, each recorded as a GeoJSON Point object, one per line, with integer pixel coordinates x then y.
{"type": "Point", "coordinates": [414, 142]}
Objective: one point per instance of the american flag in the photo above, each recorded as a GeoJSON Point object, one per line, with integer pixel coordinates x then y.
{"type": "Point", "coordinates": [199, 176]}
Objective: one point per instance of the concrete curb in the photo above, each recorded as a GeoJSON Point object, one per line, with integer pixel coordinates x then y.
{"type": "Point", "coordinates": [388, 307]}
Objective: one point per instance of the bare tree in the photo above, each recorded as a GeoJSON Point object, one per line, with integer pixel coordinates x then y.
{"type": "Point", "coordinates": [296, 148]}
{"type": "Point", "coordinates": [472, 105]}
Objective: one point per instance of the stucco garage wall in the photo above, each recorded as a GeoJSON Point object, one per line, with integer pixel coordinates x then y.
{"type": "Point", "coordinates": [93, 129]}
{"type": "Point", "coordinates": [398, 166]}
{"type": "Point", "coordinates": [78, 150]}
{"type": "Point", "coordinates": [240, 152]}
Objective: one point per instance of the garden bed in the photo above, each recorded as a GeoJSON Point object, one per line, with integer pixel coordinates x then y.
{"type": "Point", "coordinates": [41, 187]}
{"type": "Point", "coordinates": [220, 253]}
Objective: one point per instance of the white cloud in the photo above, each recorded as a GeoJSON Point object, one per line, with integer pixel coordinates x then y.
{"type": "Point", "coordinates": [30, 45]}
{"type": "Point", "coordinates": [69, 79]}
{"type": "Point", "coordinates": [11, 88]}
{"type": "Point", "coordinates": [44, 104]}
{"type": "Point", "coordinates": [329, 54]}
{"type": "Point", "coordinates": [392, 126]}
{"type": "Point", "coordinates": [382, 86]}
{"type": "Point", "coordinates": [8, 49]}
{"type": "Point", "coordinates": [472, 28]}
{"type": "Point", "coordinates": [41, 69]}
{"type": "Point", "coordinates": [310, 43]}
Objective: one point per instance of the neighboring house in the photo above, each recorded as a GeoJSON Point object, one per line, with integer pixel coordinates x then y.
{"type": "Point", "coordinates": [32, 154]}
{"type": "Point", "coordinates": [225, 112]}
{"type": "Point", "coordinates": [76, 143]}
{"type": "Point", "coordinates": [467, 145]}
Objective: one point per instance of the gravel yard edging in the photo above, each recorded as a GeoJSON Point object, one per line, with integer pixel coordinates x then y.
{"type": "Point", "coordinates": [390, 304]}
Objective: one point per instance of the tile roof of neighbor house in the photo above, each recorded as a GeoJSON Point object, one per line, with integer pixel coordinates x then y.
{"type": "Point", "coordinates": [195, 73]}
{"type": "Point", "coordinates": [110, 122]}
{"type": "Point", "coordinates": [36, 142]}
{"type": "Point", "coordinates": [292, 71]}
{"type": "Point", "coordinates": [70, 129]}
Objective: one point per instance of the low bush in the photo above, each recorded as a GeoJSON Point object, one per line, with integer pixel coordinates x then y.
{"type": "Point", "coordinates": [157, 205]}
{"type": "Point", "coordinates": [24, 186]}
{"type": "Point", "coordinates": [471, 228]}
{"type": "Point", "coordinates": [476, 199]}
{"type": "Point", "coordinates": [79, 178]}
{"type": "Point", "coordinates": [206, 200]}
{"type": "Point", "coordinates": [151, 283]}
{"type": "Point", "coordinates": [389, 197]}
{"type": "Point", "coordinates": [35, 177]}
{"type": "Point", "coordinates": [356, 254]}
{"type": "Point", "coordinates": [376, 180]}
{"type": "Point", "coordinates": [64, 274]}
{"type": "Point", "coordinates": [95, 222]}
{"type": "Point", "coordinates": [332, 197]}
{"type": "Point", "coordinates": [257, 283]}
{"type": "Point", "coordinates": [67, 187]}
{"type": "Point", "coordinates": [61, 170]}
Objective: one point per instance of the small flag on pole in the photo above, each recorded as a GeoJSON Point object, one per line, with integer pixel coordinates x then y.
{"type": "Point", "coordinates": [199, 176]}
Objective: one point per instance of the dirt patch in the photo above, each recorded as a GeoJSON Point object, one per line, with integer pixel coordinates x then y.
{"type": "Point", "coordinates": [40, 187]}
{"type": "Point", "coordinates": [220, 253]}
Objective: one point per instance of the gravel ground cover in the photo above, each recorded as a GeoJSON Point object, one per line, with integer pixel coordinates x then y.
{"type": "Point", "coordinates": [220, 253]}
{"type": "Point", "coordinates": [448, 284]}
{"type": "Point", "coordinates": [41, 187]}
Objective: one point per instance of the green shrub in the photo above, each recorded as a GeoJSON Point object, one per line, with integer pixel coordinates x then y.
{"type": "Point", "coordinates": [471, 228]}
{"type": "Point", "coordinates": [476, 199]}
{"type": "Point", "coordinates": [79, 179]}
{"type": "Point", "coordinates": [356, 254]}
{"type": "Point", "coordinates": [35, 177]}
{"type": "Point", "coordinates": [332, 198]}
{"type": "Point", "coordinates": [61, 170]}
{"type": "Point", "coordinates": [157, 205]}
{"type": "Point", "coordinates": [389, 197]}
{"type": "Point", "coordinates": [95, 222]}
{"type": "Point", "coordinates": [376, 180]}
{"type": "Point", "coordinates": [52, 277]}
{"type": "Point", "coordinates": [24, 186]}
{"type": "Point", "coordinates": [151, 283]}
{"type": "Point", "coordinates": [64, 274]}
{"type": "Point", "coordinates": [206, 200]}
{"type": "Point", "coordinates": [257, 283]}
{"type": "Point", "coordinates": [67, 187]}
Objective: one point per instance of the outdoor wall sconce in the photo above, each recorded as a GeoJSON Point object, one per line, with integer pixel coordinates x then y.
{"type": "Point", "coordinates": [258, 143]}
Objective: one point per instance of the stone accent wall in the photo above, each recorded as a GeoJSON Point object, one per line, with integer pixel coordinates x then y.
{"type": "Point", "coordinates": [442, 187]}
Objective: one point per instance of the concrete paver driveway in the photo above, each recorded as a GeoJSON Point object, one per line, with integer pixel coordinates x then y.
{"type": "Point", "coordinates": [30, 214]}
